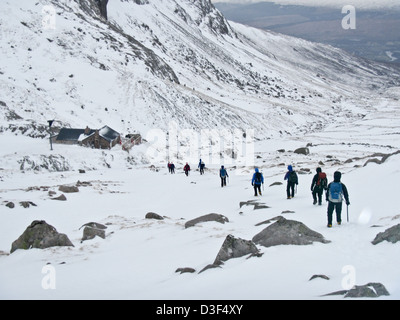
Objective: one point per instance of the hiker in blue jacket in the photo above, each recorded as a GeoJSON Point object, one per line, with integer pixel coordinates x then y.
{"type": "Point", "coordinates": [223, 174]}
{"type": "Point", "coordinates": [257, 181]}
{"type": "Point", "coordinates": [201, 166]}
{"type": "Point", "coordinates": [334, 195]}
{"type": "Point", "coordinates": [292, 180]}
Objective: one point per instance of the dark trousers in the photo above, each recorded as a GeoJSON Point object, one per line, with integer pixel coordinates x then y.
{"type": "Point", "coordinates": [317, 192]}
{"type": "Point", "coordinates": [223, 181]}
{"type": "Point", "coordinates": [257, 187]}
{"type": "Point", "coordinates": [334, 206]}
{"type": "Point", "coordinates": [290, 189]}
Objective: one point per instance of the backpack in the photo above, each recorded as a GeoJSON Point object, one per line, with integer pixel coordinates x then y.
{"type": "Point", "coordinates": [222, 173]}
{"type": "Point", "coordinates": [258, 179]}
{"type": "Point", "coordinates": [335, 192]}
{"type": "Point", "coordinates": [322, 181]}
{"type": "Point", "coordinates": [292, 177]}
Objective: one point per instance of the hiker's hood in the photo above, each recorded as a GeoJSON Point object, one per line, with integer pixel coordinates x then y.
{"type": "Point", "coordinates": [337, 176]}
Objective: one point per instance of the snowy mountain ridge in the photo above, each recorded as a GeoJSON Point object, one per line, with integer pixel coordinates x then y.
{"type": "Point", "coordinates": [156, 61]}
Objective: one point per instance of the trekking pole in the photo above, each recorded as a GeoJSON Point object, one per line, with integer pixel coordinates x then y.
{"type": "Point", "coordinates": [347, 213]}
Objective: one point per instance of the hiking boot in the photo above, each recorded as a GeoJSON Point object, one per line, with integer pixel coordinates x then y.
{"type": "Point", "coordinates": [329, 225]}
{"type": "Point", "coordinates": [339, 223]}
{"type": "Point", "coordinates": [314, 203]}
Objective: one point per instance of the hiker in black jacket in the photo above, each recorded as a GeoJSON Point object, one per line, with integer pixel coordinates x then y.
{"type": "Point", "coordinates": [318, 185]}
{"type": "Point", "coordinates": [292, 180]}
{"type": "Point", "coordinates": [335, 193]}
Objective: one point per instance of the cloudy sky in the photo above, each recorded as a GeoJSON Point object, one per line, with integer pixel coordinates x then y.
{"type": "Point", "coordinates": [362, 4]}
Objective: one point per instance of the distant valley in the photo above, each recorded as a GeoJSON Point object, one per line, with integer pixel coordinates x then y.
{"type": "Point", "coordinates": [376, 36]}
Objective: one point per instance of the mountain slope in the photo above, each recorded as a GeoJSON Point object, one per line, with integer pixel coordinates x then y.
{"type": "Point", "coordinates": [154, 62]}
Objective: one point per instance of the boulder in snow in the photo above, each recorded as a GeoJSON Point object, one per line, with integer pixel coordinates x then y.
{"type": "Point", "coordinates": [185, 270]}
{"type": "Point", "coordinates": [40, 235]}
{"type": "Point", "coordinates": [153, 215]}
{"type": "Point", "coordinates": [235, 248]}
{"type": "Point", "coordinates": [208, 217]}
{"type": "Point", "coordinates": [304, 151]}
{"type": "Point", "coordinates": [93, 229]}
{"type": "Point", "coordinates": [68, 189]}
{"type": "Point", "coordinates": [390, 235]}
{"type": "Point", "coordinates": [286, 231]}
{"type": "Point", "coordinates": [369, 290]}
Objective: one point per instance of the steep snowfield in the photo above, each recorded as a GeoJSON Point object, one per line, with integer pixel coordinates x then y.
{"type": "Point", "coordinates": [159, 68]}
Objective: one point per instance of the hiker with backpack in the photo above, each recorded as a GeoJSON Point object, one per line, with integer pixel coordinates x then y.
{"type": "Point", "coordinates": [171, 167]}
{"type": "Point", "coordinates": [292, 180]}
{"type": "Point", "coordinates": [318, 185]}
{"type": "Point", "coordinates": [201, 166]}
{"type": "Point", "coordinates": [186, 168]}
{"type": "Point", "coordinates": [223, 174]}
{"type": "Point", "coordinates": [257, 181]}
{"type": "Point", "coordinates": [335, 194]}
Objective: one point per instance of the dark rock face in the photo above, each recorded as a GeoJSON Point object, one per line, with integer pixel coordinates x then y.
{"type": "Point", "coordinates": [208, 217]}
{"type": "Point", "coordinates": [287, 232]}
{"type": "Point", "coordinates": [390, 235]}
{"type": "Point", "coordinates": [40, 235]}
{"type": "Point", "coordinates": [103, 8]}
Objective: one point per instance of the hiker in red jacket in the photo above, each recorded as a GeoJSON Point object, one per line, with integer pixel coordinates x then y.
{"type": "Point", "coordinates": [318, 185]}
{"type": "Point", "coordinates": [186, 168]}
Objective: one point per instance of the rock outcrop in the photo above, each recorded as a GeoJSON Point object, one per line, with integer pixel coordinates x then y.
{"type": "Point", "coordinates": [40, 235]}
{"type": "Point", "coordinates": [235, 248]}
{"type": "Point", "coordinates": [369, 290]}
{"type": "Point", "coordinates": [287, 232]}
{"type": "Point", "coordinates": [390, 235]}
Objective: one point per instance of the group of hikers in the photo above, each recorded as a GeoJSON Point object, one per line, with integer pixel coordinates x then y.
{"type": "Point", "coordinates": [335, 192]}
{"type": "Point", "coordinates": [186, 168]}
